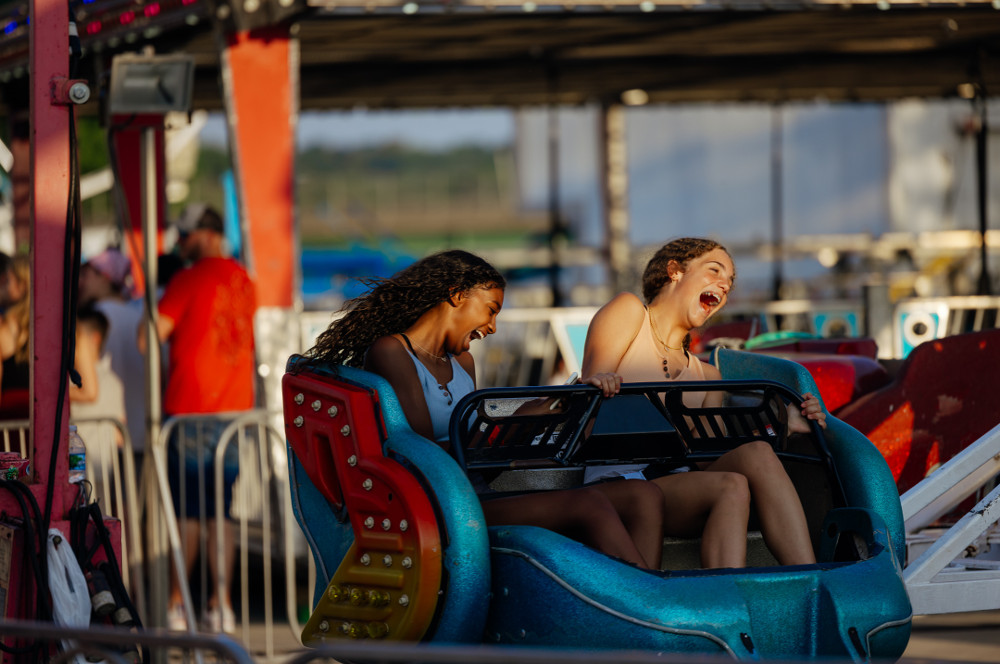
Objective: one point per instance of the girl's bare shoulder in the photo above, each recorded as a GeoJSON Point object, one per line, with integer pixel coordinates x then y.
{"type": "Point", "coordinates": [624, 304]}
{"type": "Point", "coordinates": [387, 349]}
{"type": "Point", "coordinates": [711, 371]}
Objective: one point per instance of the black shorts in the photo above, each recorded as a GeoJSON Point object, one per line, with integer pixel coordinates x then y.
{"type": "Point", "coordinates": [191, 465]}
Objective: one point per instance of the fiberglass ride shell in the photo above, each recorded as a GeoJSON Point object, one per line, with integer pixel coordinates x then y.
{"type": "Point", "coordinates": [403, 552]}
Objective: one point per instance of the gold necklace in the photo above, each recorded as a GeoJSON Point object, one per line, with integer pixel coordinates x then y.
{"type": "Point", "coordinates": [656, 334]}
{"type": "Point", "coordinates": [439, 358]}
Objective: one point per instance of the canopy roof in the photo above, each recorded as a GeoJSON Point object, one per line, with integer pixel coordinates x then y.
{"type": "Point", "coordinates": [394, 54]}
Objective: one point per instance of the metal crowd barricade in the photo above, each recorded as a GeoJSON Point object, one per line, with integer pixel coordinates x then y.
{"type": "Point", "coordinates": [109, 645]}
{"type": "Point", "coordinates": [259, 502]}
{"type": "Point", "coordinates": [112, 475]}
{"type": "Point", "coordinates": [385, 652]}
{"type": "Point", "coordinates": [96, 643]}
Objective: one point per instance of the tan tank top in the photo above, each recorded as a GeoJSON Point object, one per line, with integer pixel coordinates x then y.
{"type": "Point", "coordinates": [643, 362]}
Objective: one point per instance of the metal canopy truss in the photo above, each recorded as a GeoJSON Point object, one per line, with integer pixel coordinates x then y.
{"type": "Point", "coordinates": [960, 569]}
{"type": "Point", "coordinates": [589, 54]}
{"type": "Point", "coordinates": [399, 53]}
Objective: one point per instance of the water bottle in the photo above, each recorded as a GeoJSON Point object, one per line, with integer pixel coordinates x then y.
{"type": "Point", "coordinates": [77, 456]}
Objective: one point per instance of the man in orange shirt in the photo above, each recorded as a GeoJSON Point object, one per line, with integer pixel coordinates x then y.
{"type": "Point", "coordinates": [206, 314]}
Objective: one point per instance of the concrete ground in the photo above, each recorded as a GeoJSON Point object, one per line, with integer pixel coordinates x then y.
{"type": "Point", "coordinates": [956, 637]}
{"type": "Point", "coordinates": [959, 637]}
{"type": "Point", "coordinates": [972, 637]}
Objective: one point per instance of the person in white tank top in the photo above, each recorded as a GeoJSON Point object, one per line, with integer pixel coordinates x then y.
{"type": "Point", "coordinates": [685, 284]}
{"type": "Point", "coordinates": [414, 329]}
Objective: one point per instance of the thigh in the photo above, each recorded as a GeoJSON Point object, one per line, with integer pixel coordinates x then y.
{"type": "Point", "coordinates": [749, 459]}
{"type": "Point", "coordinates": [688, 500]}
{"type": "Point", "coordinates": [555, 510]}
{"type": "Point", "coordinates": [628, 494]}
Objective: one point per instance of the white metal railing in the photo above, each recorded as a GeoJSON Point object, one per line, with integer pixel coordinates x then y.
{"type": "Point", "coordinates": [530, 342]}
{"type": "Point", "coordinates": [956, 568]}
{"type": "Point", "coordinates": [14, 437]}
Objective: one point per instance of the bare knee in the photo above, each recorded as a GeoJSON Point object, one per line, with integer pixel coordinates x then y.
{"type": "Point", "coordinates": [647, 499]}
{"type": "Point", "coordinates": [758, 449]}
{"type": "Point", "coordinates": [593, 516]}
{"type": "Point", "coordinates": [732, 488]}
{"type": "Point", "coordinates": [651, 494]}
{"type": "Point", "coordinates": [590, 506]}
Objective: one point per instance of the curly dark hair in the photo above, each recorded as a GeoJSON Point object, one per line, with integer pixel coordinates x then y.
{"type": "Point", "coordinates": [392, 305]}
{"type": "Point", "coordinates": [683, 250]}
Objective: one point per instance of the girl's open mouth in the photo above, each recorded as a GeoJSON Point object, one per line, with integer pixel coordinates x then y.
{"type": "Point", "coordinates": [710, 300]}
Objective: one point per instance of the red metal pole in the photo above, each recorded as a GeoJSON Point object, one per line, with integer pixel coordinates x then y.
{"type": "Point", "coordinates": [49, 59]}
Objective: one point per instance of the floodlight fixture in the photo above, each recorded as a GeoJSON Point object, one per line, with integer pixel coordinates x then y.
{"type": "Point", "coordinates": [151, 84]}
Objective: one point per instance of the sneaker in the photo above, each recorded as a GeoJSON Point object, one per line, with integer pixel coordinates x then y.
{"type": "Point", "coordinates": [176, 620]}
{"type": "Point", "coordinates": [220, 620]}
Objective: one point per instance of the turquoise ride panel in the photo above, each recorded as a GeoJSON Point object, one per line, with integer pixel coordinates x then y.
{"type": "Point", "coordinates": [521, 585]}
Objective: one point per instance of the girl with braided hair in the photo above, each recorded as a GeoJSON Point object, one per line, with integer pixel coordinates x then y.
{"type": "Point", "coordinates": [685, 284]}
{"type": "Point", "coordinates": [414, 329]}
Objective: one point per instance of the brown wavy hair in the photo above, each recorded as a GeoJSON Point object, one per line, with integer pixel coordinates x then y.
{"type": "Point", "coordinates": [393, 304]}
{"type": "Point", "coordinates": [683, 250]}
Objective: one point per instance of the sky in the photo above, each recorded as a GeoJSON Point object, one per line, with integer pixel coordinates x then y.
{"type": "Point", "coordinates": [431, 130]}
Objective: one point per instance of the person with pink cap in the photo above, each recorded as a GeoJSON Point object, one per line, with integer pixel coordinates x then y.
{"type": "Point", "coordinates": [109, 272]}
{"type": "Point", "coordinates": [106, 285]}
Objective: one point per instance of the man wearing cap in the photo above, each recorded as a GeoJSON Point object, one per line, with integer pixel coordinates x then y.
{"type": "Point", "coordinates": [206, 313]}
{"type": "Point", "coordinates": [106, 285]}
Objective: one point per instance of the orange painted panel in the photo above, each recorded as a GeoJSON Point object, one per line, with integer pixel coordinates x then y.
{"type": "Point", "coordinates": [261, 92]}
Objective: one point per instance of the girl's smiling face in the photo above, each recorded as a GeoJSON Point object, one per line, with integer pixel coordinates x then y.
{"type": "Point", "coordinates": [707, 280]}
{"type": "Point", "coordinates": [475, 317]}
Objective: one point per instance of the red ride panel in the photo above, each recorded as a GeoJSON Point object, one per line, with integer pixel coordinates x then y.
{"type": "Point", "coordinates": [387, 585]}
{"type": "Point", "coordinates": [945, 396]}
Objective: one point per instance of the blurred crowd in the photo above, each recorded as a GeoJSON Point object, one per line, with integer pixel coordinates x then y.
{"type": "Point", "coordinates": [206, 304]}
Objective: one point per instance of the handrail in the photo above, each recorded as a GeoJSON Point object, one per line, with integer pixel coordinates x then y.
{"type": "Point", "coordinates": [481, 440]}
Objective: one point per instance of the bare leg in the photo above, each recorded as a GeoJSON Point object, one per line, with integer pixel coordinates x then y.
{"type": "Point", "coordinates": [640, 507]}
{"type": "Point", "coordinates": [714, 505]}
{"type": "Point", "coordinates": [229, 550]}
{"type": "Point", "coordinates": [583, 514]}
{"type": "Point", "coordinates": [782, 519]}
{"type": "Point", "coordinates": [189, 542]}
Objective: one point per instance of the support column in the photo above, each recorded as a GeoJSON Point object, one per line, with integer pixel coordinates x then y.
{"type": "Point", "coordinates": [260, 78]}
{"type": "Point", "coordinates": [984, 285]}
{"type": "Point", "coordinates": [50, 173]}
{"type": "Point", "coordinates": [777, 202]}
{"type": "Point", "coordinates": [614, 169]}
{"type": "Point", "coordinates": [127, 137]}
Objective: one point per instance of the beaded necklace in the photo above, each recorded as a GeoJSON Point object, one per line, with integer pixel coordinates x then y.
{"type": "Point", "coordinates": [656, 336]}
